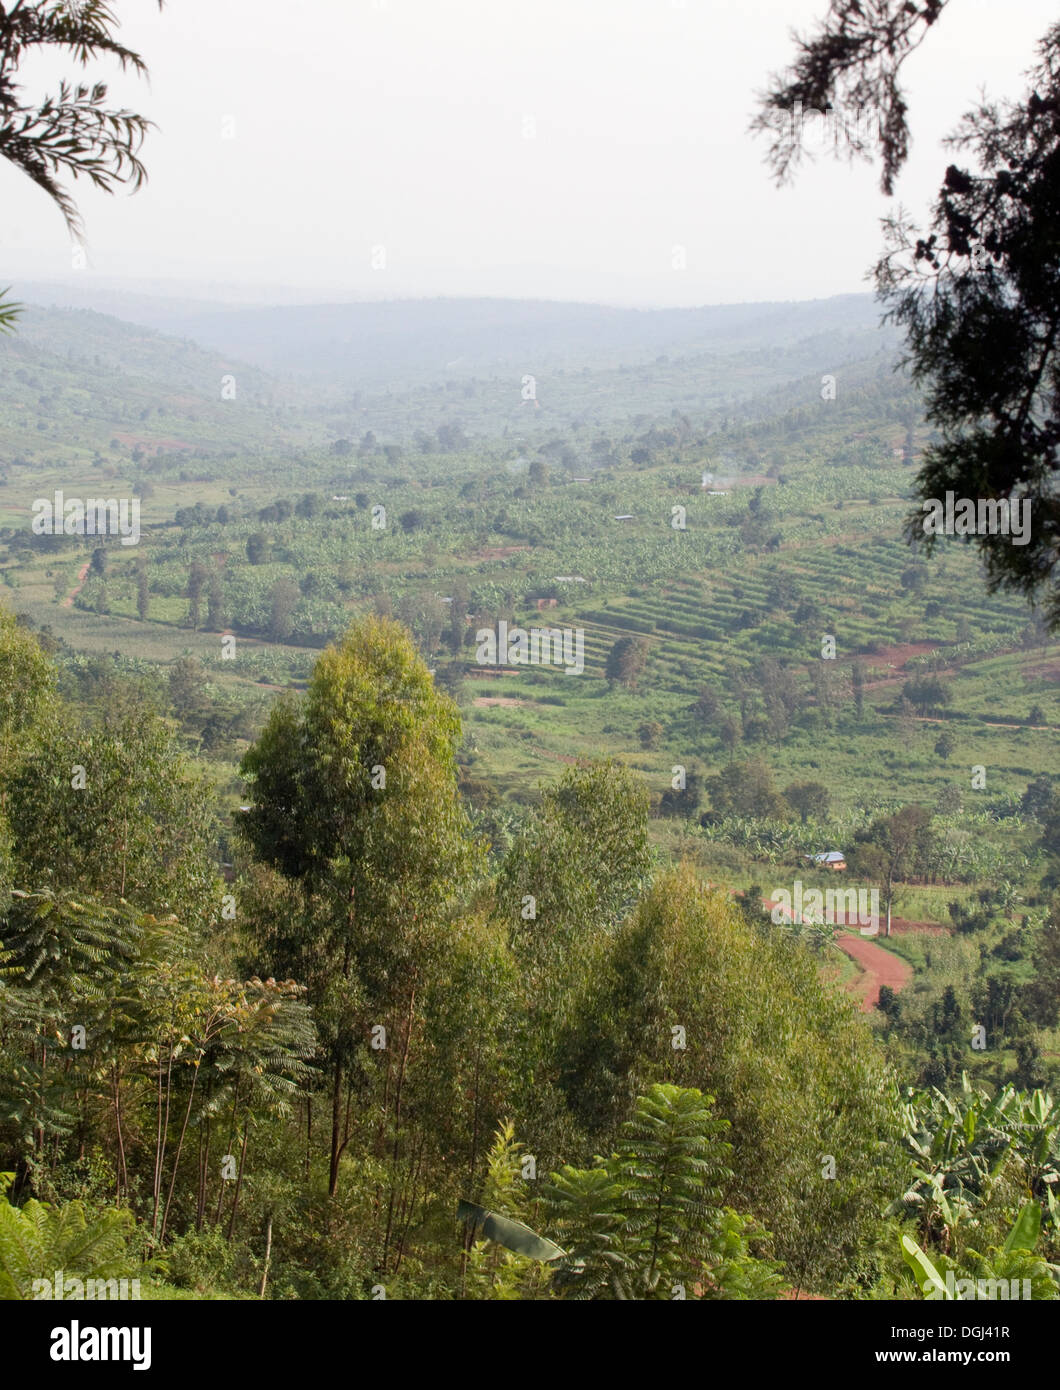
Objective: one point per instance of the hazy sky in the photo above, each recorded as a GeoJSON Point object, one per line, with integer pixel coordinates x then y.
{"type": "Point", "coordinates": [560, 148]}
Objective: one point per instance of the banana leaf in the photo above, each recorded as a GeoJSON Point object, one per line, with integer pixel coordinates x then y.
{"type": "Point", "coordinates": [924, 1272]}
{"type": "Point", "coordinates": [513, 1235]}
{"type": "Point", "coordinates": [1024, 1234]}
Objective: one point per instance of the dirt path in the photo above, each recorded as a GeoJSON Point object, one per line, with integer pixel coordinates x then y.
{"type": "Point", "coordinates": [555, 757]}
{"type": "Point", "coordinates": [82, 575]}
{"type": "Point", "coordinates": [901, 926]}
{"type": "Point", "coordinates": [878, 967]}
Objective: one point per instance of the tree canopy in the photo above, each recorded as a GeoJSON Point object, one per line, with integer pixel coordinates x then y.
{"type": "Point", "coordinates": [977, 292]}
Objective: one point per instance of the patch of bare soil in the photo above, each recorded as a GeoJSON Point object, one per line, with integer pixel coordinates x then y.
{"type": "Point", "coordinates": [894, 658]}
{"type": "Point", "coordinates": [878, 968]}
{"type": "Point", "coordinates": [555, 757]}
{"type": "Point", "coordinates": [901, 926]}
{"type": "Point", "coordinates": [82, 574]}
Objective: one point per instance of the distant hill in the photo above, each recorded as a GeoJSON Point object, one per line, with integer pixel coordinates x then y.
{"type": "Point", "coordinates": [409, 342]}
{"type": "Point", "coordinates": [75, 378]}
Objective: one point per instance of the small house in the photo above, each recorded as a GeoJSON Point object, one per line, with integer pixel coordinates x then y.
{"type": "Point", "coordinates": [830, 859]}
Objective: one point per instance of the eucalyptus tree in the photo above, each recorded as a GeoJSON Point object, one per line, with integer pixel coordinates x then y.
{"type": "Point", "coordinates": [27, 692]}
{"type": "Point", "coordinates": [27, 682]}
{"type": "Point", "coordinates": [689, 992]}
{"type": "Point", "coordinates": [581, 859]}
{"type": "Point", "coordinates": [574, 872]}
{"type": "Point", "coordinates": [354, 801]}
{"type": "Point", "coordinates": [109, 806]}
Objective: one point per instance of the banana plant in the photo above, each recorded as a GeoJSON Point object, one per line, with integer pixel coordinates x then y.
{"type": "Point", "coordinates": [1012, 1272]}
{"type": "Point", "coordinates": [1037, 1124]}
{"type": "Point", "coordinates": [959, 1147]}
{"type": "Point", "coordinates": [1054, 1208]}
{"type": "Point", "coordinates": [927, 1277]}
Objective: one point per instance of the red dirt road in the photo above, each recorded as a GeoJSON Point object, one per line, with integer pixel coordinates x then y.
{"type": "Point", "coordinates": [879, 967]}
{"type": "Point", "coordinates": [82, 575]}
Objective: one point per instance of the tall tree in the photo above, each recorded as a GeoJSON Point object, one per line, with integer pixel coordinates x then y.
{"type": "Point", "coordinates": [892, 848]}
{"type": "Point", "coordinates": [625, 662]}
{"type": "Point", "coordinates": [851, 64]}
{"type": "Point", "coordinates": [354, 799]}
{"type": "Point", "coordinates": [187, 687]}
{"type": "Point", "coordinates": [978, 293]}
{"type": "Point", "coordinates": [980, 303]}
{"type": "Point", "coordinates": [809, 799]}
{"type": "Point", "coordinates": [111, 807]}
{"type": "Point", "coordinates": [690, 992]}
{"type": "Point", "coordinates": [143, 591]}
{"type": "Point", "coordinates": [27, 681]}
{"type": "Point", "coordinates": [857, 685]}
{"type": "Point", "coordinates": [215, 602]}
{"type": "Point", "coordinates": [284, 597]}
{"type": "Point", "coordinates": [580, 861]}
{"type": "Point", "coordinates": [746, 789]}
{"type": "Point", "coordinates": [197, 574]}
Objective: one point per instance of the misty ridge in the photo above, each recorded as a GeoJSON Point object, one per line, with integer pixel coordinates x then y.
{"type": "Point", "coordinates": [400, 340]}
